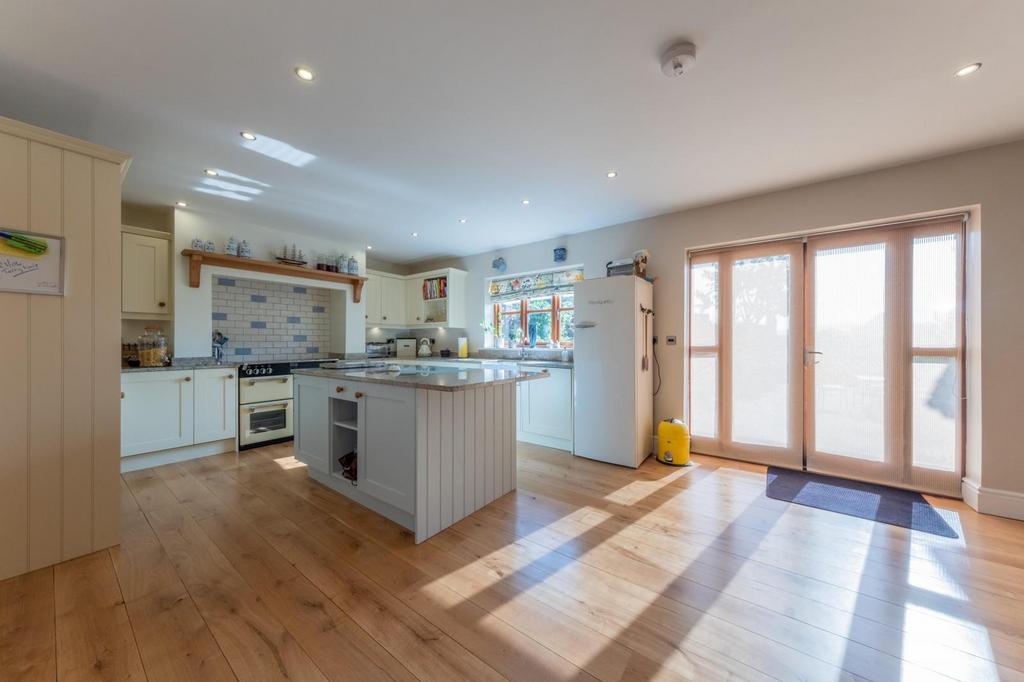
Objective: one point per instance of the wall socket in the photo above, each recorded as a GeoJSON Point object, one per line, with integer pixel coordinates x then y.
{"type": "Point", "coordinates": [670, 340]}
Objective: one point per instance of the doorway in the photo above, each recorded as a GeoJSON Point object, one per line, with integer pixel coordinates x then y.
{"type": "Point", "coordinates": [840, 353]}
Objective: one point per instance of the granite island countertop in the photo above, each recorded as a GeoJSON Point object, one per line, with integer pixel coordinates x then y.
{"type": "Point", "coordinates": [180, 364]}
{"type": "Point", "coordinates": [431, 378]}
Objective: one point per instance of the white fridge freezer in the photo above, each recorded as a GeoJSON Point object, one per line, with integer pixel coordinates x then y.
{"type": "Point", "coordinates": [613, 370]}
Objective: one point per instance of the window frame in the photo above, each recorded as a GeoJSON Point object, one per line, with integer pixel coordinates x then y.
{"type": "Point", "coordinates": [524, 312]}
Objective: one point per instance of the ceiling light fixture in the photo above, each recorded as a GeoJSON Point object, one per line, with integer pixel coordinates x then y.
{"type": "Point", "coordinates": [304, 73]}
{"type": "Point", "coordinates": [462, 220]}
{"type": "Point", "coordinates": [415, 234]}
{"type": "Point", "coordinates": [526, 202]}
{"type": "Point", "coordinates": [211, 172]}
{"type": "Point", "coordinates": [246, 135]}
{"type": "Point", "coordinates": [369, 247]}
{"type": "Point", "coordinates": [968, 70]}
{"type": "Point", "coordinates": [180, 204]}
{"type": "Point", "coordinates": [612, 174]}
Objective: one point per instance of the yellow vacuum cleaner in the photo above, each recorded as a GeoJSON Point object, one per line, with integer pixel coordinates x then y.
{"type": "Point", "coordinates": [673, 442]}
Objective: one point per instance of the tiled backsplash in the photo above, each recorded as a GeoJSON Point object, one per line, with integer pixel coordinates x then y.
{"type": "Point", "coordinates": [267, 321]}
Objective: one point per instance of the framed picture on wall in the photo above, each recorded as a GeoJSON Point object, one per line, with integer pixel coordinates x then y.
{"type": "Point", "coordinates": [31, 263]}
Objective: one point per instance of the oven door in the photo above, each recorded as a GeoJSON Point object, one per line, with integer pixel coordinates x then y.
{"type": "Point", "coordinates": [261, 422]}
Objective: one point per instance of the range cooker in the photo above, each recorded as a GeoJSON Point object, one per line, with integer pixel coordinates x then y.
{"type": "Point", "coordinates": [265, 397]}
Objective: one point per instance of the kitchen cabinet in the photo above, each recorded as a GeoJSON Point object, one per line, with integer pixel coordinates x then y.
{"type": "Point", "coordinates": [216, 404]}
{"type": "Point", "coordinates": [392, 300]}
{"type": "Point", "coordinates": [398, 302]}
{"type": "Point", "coordinates": [145, 278]}
{"type": "Point", "coordinates": [373, 297]}
{"type": "Point", "coordinates": [545, 415]}
{"type": "Point", "coordinates": [386, 436]}
{"type": "Point", "coordinates": [157, 411]}
{"type": "Point", "coordinates": [312, 423]}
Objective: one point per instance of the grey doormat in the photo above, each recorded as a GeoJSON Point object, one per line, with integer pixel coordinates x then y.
{"type": "Point", "coordinates": [864, 500]}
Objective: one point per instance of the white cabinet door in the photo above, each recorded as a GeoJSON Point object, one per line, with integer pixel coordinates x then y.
{"type": "Point", "coordinates": [156, 411]}
{"type": "Point", "coordinates": [373, 295]}
{"type": "Point", "coordinates": [392, 300]}
{"type": "Point", "coordinates": [312, 422]}
{"type": "Point", "coordinates": [216, 404]}
{"type": "Point", "coordinates": [414, 301]}
{"type": "Point", "coordinates": [545, 410]}
{"type": "Point", "coordinates": [144, 280]}
{"type": "Point", "coordinates": [387, 444]}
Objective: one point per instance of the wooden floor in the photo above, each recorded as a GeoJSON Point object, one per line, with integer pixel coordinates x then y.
{"type": "Point", "coordinates": [239, 567]}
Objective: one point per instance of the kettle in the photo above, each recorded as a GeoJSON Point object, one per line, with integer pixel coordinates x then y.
{"type": "Point", "coordinates": [424, 351]}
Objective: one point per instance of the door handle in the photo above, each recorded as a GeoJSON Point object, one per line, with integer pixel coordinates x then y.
{"type": "Point", "coordinates": [585, 325]}
{"type": "Point", "coordinates": [808, 353]}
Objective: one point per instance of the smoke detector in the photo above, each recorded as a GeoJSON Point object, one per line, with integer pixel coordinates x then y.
{"type": "Point", "coordinates": [678, 59]}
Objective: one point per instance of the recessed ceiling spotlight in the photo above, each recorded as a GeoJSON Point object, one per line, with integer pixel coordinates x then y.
{"type": "Point", "coordinates": [180, 204]}
{"type": "Point", "coordinates": [462, 220]}
{"type": "Point", "coordinates": [304, 73]}
{"type": "Point", "coordinates": [612, 174]}
{"type": "Point", "coordinates": [415, 234]}
{"type": "Point", "coordinates": [526, 202]}
{"type": "Point", "coordinates": [967, 70]}
{"type": "Point", "coordinates": [369, 247]}
{"type": "Point", "coordinates": [211, 172]}
{"type": "Point", "coordinates": [246, 135]}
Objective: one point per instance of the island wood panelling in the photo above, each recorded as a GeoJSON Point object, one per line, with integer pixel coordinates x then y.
{"type": "Point", "coordinates": [471, 457]}
{"type": "Point", "coordinates": [59, 412]}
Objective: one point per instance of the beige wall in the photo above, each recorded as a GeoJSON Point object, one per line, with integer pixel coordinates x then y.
{"type": "Point", "coordinates": [59, 397]}
{"type": "Point", "coordinates": [990, 178]}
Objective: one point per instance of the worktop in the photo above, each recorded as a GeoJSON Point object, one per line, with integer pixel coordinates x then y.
{"type": "Point", "coordinates": [183, 364]}
{"type": "Point", "coordinates": [430, 377]}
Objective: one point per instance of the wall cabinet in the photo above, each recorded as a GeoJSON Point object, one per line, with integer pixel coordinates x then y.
{"type": "Point", "coordinates": [216, 404]}
{"type": "Point", "coordinates": [545, 410]}
{"type": "Point", "coordinates": [167, 409]}
{"type": "Point", "coordinates": [403, 302]}
{"type": "Point", "coordinates": [145, 278]}
{"type": "Point", "coordinates": [156, 411]}
{"type": "Point", "coordinates": [392, 300]}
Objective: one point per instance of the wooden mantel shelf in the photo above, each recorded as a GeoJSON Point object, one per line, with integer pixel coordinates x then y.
{"type": "Point", "coordinates": [197, 258]}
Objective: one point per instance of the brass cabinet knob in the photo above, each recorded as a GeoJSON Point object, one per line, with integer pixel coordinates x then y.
{"type": "Point", "coordinates": [122, 395]}
{"type": "Point", "coordinates": [188, 378]}
{"type": "Point", "coordinates": [231, 376]}
{"type": "Point", "coordinates": [339, 389]}
{"type": "Point", "coordinates": [161, 304]}
{"type": "Point", "coordinates": [359, 394]}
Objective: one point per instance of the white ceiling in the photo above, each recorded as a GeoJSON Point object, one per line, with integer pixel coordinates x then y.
{"type": "Point", "coordinates": [426, 111]}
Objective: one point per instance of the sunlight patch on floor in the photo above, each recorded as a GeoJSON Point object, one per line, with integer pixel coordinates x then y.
{"type": "Point", "coordinates": [941, 642]}
{"type": "Point", "coordinates": [288, 462]}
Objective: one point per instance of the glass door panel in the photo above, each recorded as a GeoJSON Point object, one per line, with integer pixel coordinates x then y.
{"type": "Point", "coordinates": [760, 350]}
{"type": "Point", "coordinates": [848, 351]}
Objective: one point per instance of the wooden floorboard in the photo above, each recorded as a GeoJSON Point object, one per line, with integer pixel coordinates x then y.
{"type": "Point", "coordinates": [241, 567]}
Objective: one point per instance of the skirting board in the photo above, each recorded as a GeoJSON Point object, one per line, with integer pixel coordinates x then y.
{"type": "Point", "coordinates": [161, 457]}
{"type": "Point", "coordinates": [993, 501]}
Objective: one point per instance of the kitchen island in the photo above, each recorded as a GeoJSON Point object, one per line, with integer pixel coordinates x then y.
{"type": "Point", "coordinates": [431, 444]}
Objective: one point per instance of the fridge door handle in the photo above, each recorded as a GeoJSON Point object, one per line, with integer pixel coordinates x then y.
{"type": "Point", "coordinates": [585, 325]}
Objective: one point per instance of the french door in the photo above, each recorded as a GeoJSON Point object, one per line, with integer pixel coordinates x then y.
{"type": "Point", "coordinates": [841, 353]}
{"type": "Point", "coordinates": [746, 353]}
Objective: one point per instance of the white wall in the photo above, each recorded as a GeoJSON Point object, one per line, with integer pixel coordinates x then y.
{"type": "Point", "coordinates": [193, 308]}
{"type": "Point", "coordinates": [990, 178]}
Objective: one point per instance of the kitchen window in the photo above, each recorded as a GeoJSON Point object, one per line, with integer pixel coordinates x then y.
{"type": "Point", "coordinates": [533, 310]}
{"type": "Point", "coordinates": [538, 320]}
